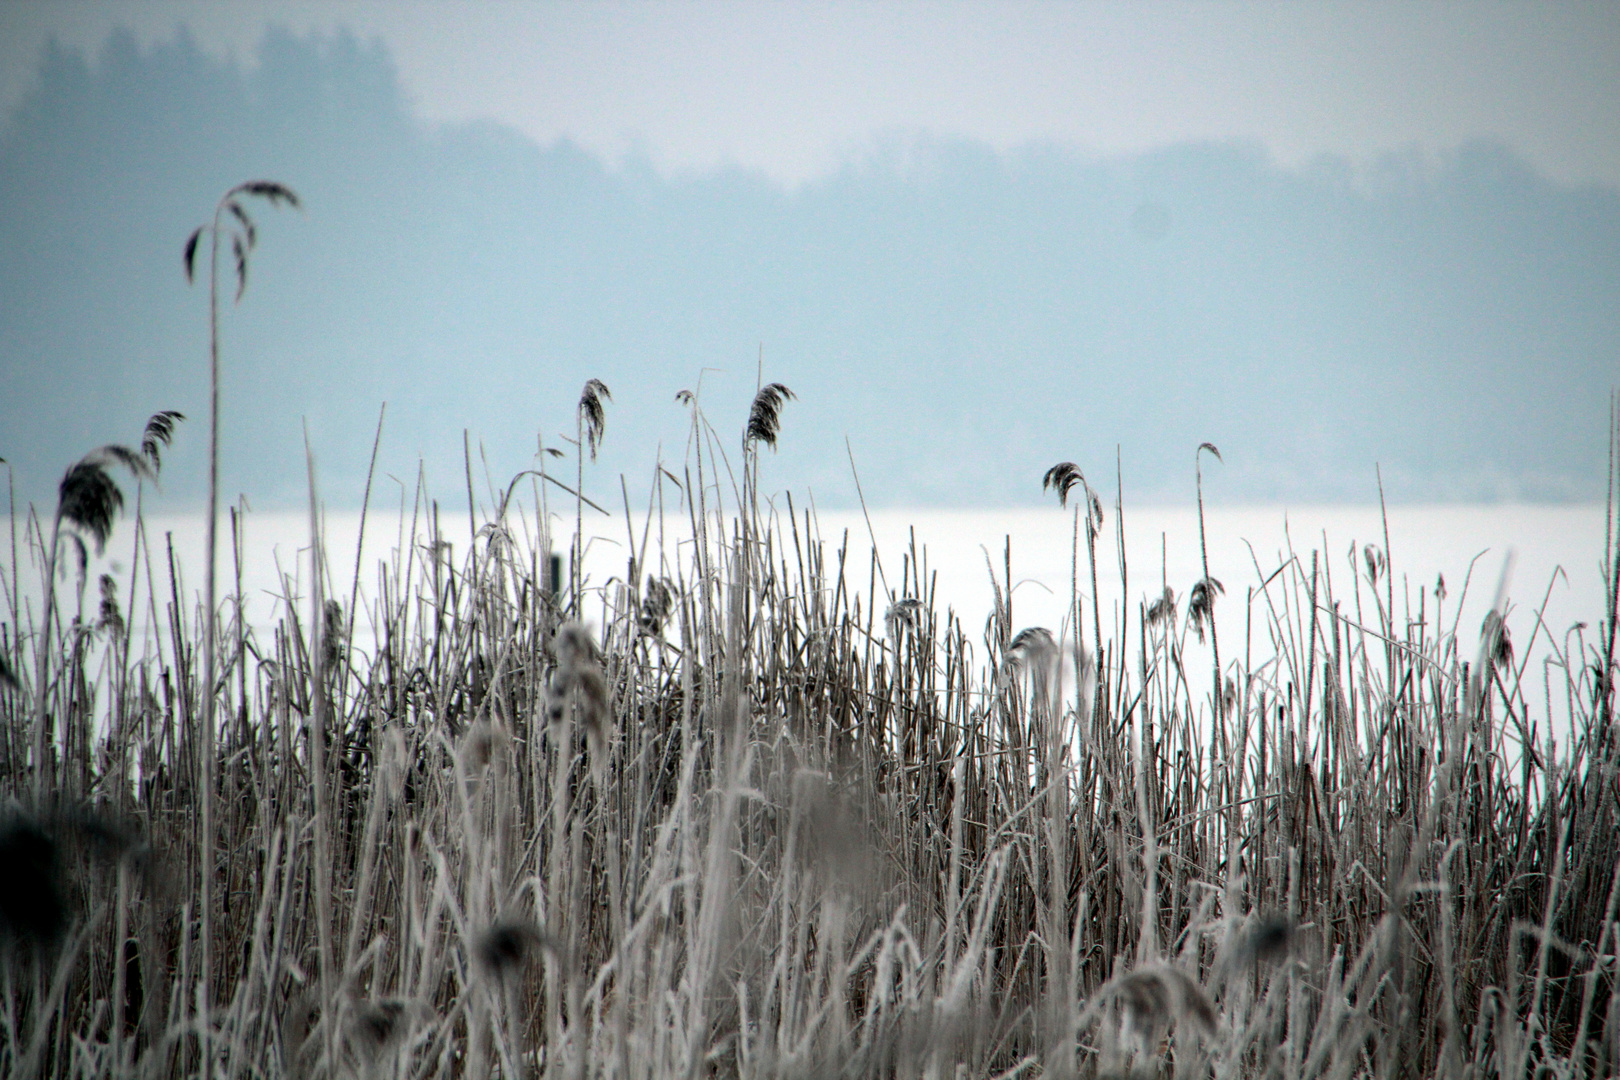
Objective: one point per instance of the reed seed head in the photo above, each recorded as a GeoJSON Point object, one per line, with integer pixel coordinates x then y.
{"type": "Point", "coordinates": [1163, 609]}
{"type": "Point", "coordinates": [1201, 604]}
{"type": "Point", "coordinates": [376, 1027]}
{"type": "Point", "coordinates": [1375, 562]}
{"type": "Point", "coordinates": [508, 946]}
{"type": "Point", "coordinates": [592, 414]}
{"type": "Point", "coordinates": [1271, 937]}
{"type": "Point", "coordinates": [656, 604]}
{"type": "Point", "coordinates": [1033, 646]}
{"type": "Point", "coordinates": [579, 668]}
{"type": "Point", "coordinates": [159, 434]}
{"type": "Point", "coordinates": [765, 417]}
{"type": "Point", "coordinates": [902, 615]}
{"type": "Point", "coordinates": [1158, 996]}
{"type": "Point", "coordinates": [334, 635]}
{"type": "Point", "coordinates": [1496, 641]}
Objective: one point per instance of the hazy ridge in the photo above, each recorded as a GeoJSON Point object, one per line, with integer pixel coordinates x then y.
{"type": "Point", "coordinates": [965, 318]}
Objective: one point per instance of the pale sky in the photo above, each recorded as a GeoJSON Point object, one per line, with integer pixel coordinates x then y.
{"type": "Point", "coordinates": [794, 89]}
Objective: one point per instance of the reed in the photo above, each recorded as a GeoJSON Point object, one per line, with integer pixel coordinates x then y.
{"type": "Point", "coordinates": [728, 814]}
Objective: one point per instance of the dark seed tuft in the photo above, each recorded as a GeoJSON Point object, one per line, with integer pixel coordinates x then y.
{"type": "Point", "coordinates": [506, 947]}
{"type": "Point", "coordinates": [1271, 938]}
{"type": "Point", "coordinates": [380, 1025]}
{"type": "Point", "coordinates": [33, 913]}
{"type": "Point", "coordinates": [765, 418]}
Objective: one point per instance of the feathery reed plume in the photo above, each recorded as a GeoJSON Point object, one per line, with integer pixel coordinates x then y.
{"type": "Point", "coordinates": [592, 414]}
{"type": "Point", "coordinates": [159, 433]}
{"type": "Point", "coordinates": [1271, 937]}
{"type": "Point", "coordinates": [1163, 608]}
{"type": "Point", "coordinates": [110, 618]}
{"type": "Point", "coordinates": [479, 744]}
{"type": "Point", "coordinates": [89, 499]}
{"type": "Point", "coordinates": [334, 635]}
{"type": "Point", "coordinates": [88, 502]}
{"type": "Point", "coordinates": [590, 422]}
{"type": "Point", "coordinates": [1375, 563]}
{"type": "Point", "coordinates": [506, 947]}
{"type": "Point", "coordinates": [1201, 604]}
{"type": "Point", "coordinates": [1063, 478]}
{"type": "Point", "coordinates": [1498, 645]}
{"type": "Point", "coordinates": [1032, 645]}
{"type": "Point", "coordinates": [579, 669]}
{"type": "Point", "coordinates": [765, 417]}
{"type": "Point", "coordinates": [1206, 612]}
{"type": "Point", "coordinates": [1157, 996]}
{"type": "Point", "coordinates": [244, 233]}
{"type": "Point", "coordinates": [376, 1027]}
{"type": "Point", "coordinates": [656, 604]}
{"type": "Point", "coordinates": [832, 838]}
{"type": "Point", "coordinates": [901, 615]}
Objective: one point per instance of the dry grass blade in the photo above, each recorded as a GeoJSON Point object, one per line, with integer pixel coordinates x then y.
{"type": "Point", "coordinates": [190, 256]}
{"type": "Point", "coordinates": [239, 250]}
{"type": "Point", "coordinates": [248, 230]}
{"type": "Point", "coordinates": [272, 191]}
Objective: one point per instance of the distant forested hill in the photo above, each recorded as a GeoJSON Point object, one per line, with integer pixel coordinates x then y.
{"type": "Point", "coordinates": [965, 317]}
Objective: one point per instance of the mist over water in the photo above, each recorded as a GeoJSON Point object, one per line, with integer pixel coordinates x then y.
{"type": "Point", "coordinates": [961, 315]}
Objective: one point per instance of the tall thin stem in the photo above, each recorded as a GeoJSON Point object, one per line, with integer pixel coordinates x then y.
{"type": "Point", "coordinates": [205, 854]}
{"type": "Point", "coordinates": [579, 512]}
{"type": "Point", "coordinates": [1209, 586]}
{"type": "Point", "coordinates": [42, 739]}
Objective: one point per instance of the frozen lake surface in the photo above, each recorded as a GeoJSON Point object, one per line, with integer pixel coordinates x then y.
{"type": "Point", "coordinates": [1555, 568]}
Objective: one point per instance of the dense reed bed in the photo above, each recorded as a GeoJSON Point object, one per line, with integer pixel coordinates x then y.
{"type": "Point", "coordinates": [744, 810]}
